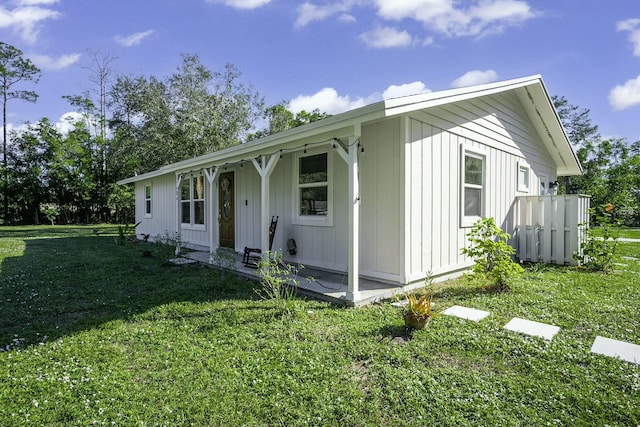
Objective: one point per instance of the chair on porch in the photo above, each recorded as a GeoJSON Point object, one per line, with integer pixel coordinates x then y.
{"type": "Point", "coordinates": [252, 255]}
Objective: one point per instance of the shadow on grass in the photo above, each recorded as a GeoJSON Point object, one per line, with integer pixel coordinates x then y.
{"type": "Point", "coordinates": [67, 282]}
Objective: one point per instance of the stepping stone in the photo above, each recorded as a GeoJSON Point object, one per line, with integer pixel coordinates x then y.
{"type": "Point", "coordinates": [182, 261]}
{"type": "Point", "coordinates": [614, 348]}
{"type": "Point", "coordinates": [466, 313]}
{"type": "Point", "coordinates": [535, 329]}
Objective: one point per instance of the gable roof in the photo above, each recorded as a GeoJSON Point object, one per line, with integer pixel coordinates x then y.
{"type": "Point", "coordinates": [531, 92]}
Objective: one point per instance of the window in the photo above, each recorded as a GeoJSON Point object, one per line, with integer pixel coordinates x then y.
{"type": "Point", "coordinates": [473, 187]}
{"type": "Point", "coordinates": [147, 200]}
{"type": "Point", "coordinates": [313, 190]}
{"type": "Point", "coordinates": [192, 200]}
{"type": "Point", "coordinates": [523, 177]}
{"type": "Point", "coordinates": [543, 184]}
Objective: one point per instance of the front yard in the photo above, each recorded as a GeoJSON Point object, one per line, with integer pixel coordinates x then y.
{"type": "Point", "coordinates": [92, 333]}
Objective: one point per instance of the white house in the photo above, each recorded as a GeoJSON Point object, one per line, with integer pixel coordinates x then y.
{"type": "Point", "coordinates": [384, 192]}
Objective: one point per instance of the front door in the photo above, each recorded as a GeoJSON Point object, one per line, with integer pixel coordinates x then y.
{"type": "Point", "coordinates": [227, 210]}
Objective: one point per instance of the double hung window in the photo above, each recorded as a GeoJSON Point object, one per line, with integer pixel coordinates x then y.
{"type": "Point", "coordinates": [473, 187]}
{"type": "Point", "coordinates": [313, 189]}
{"type": "Point", "coordinates": [192, 200]}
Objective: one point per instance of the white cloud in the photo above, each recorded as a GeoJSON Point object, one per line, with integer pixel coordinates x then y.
{"type": "Point", "coordinates": [329, 101]}
{"type": "Point", "coordinates": [242, 4]}
{"type": "Point", "coordinates": [447, 18]}
{"type": "Point", "coordinates": [133, 39]}
{"type": "Point", "coordinates": [413, 88]}
{"type": "Point", "coordinates": [35, 2]}
{"type": "Point", "coordinates": [386, 37]}
{"type": "Point", "coordinates": [26, 19]}
{"type": "Point", "coordinates": [475, 77]}
{"type": "Point", "coordinates": [626, 95]}
{"type": "Point", "coordinates": [48, 63]}
{"type": "Point", "coordinates": [308, 12]}
{"type": "Point", "coordinates": [633, 26]}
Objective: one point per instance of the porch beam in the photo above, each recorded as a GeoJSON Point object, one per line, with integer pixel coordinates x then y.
{"type": "Point", "coordinates": [265, 168]}
{"type": "Point", "coordinates": [178, 212]}
{"type": "Point", "coordinates": [214, 222]}
{"type": "Point", "coordinates": [354, 219]}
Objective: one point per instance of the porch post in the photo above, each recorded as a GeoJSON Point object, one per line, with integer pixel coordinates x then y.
{"type": "Point", "coordinates": [178, 211]}
{"type": "Point", "coordinates": [354, 219]}
{"type": "Point", "coordinates": [265, 168]}
{"type": "Point", "coordinates": [211, 174]}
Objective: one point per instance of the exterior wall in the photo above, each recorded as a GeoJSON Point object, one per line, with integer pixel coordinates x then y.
{"type": "Point", "coordinates": [163, 206]}
{"type": "Point", "coordinates": [381, 192]}
{"type": "Point", "coordinates": [162, 220]}
{"type": "Point", "coordinates": [496, 125]}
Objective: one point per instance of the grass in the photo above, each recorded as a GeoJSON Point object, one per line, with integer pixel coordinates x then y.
{"type": "Point", "coordinates": [624, 232]}
{"type": "Point", "coordinates": [93, 333]}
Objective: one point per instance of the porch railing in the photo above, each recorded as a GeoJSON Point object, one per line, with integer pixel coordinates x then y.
{"type": "Point", "coordinates": [550, 228]}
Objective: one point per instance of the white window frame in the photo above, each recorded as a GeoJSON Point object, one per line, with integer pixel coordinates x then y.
{"type": "Point", "coordinates": [523, 184]}
{"type": "Point", "coordinates": [148, 200]}
{"type": "Point", "coordinates": [192, 201]}
{"type": "Point", "coordinates": [312, 220]}
{"type": "Point", "coordinates": [478, 153]}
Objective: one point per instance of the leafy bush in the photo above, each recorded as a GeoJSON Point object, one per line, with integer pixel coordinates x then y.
{"type": "Point", "coordinates": [492, 254]}
{"type": "Point", "coordinates": [124, 232]}
{"type": "Point", "coordinates": [598, 252]}
{"type": "Point", "coordinates": [279, 280]}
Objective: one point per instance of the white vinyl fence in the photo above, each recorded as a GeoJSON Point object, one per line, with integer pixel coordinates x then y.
{"type": "Point", "coordinates": [550, 228]}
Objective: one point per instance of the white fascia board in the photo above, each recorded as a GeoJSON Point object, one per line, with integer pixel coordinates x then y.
{"type": "Point", "coordinates": [411, 103]}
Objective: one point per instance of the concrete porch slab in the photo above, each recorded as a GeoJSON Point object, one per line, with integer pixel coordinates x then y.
{"type": "Point", "coordinates": [313, 283]}
{"type": "Point", "coordinates": [614, 348]}
{"type": "Point", "coordinates": [529, 327]}
{"type": "Point", "coordinates": [466, 313]}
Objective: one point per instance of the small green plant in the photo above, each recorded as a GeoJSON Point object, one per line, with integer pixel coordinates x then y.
{"type": "Point", "coordinates": [598, 252]}
{"type": "Point", "coordinates": [419, 310]}
{"type": "Point", "coordinates": [278, 280]}
{"type": "Point", "coordinates": [124, 232]}
{"type": "Point", "coordinates": [492, 254]}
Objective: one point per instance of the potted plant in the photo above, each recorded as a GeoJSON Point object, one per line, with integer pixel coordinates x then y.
{"type": "Point", "coordinates": [418, 311]}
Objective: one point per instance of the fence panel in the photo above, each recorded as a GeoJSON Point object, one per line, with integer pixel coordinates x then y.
{"type": "Point", "coordinates": [550, 228]}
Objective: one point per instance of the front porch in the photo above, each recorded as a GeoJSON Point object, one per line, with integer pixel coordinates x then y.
{"type": "Point", "coordinates": [324, 285]}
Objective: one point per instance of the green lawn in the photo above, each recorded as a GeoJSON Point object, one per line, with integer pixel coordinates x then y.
{"type": "Point", "coordinates": [624, 232]}
{"type": "Point", "coordinates": [92, 333]}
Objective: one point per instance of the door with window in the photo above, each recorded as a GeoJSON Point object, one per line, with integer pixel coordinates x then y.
{"type": "Point", "coordinates": [226, 215]}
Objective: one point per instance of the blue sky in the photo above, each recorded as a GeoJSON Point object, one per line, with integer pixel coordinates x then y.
{"type": "Point", "coordinates": [337, 55]}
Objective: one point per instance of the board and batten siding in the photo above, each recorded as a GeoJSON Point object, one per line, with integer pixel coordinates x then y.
{"type": "Point", "coordinates": [162, 221]}
{"type": "Point", "coordinates": [163, 206]}
{"type": "Point", "coordinates": [381, 201]}
{"type": "Point", "coordinates": [434, 142]}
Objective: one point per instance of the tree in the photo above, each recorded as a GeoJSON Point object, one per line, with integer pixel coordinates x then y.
{"type": "Point", "coordinates": [14, 69]}
{"type": "Point", "coordinates": [279, 119]}
{"type": "Point", "coordinates": [193, 112]}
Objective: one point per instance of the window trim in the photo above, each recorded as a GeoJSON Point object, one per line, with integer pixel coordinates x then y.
{"type": "Point", "coordinates": [312, 220]}
{"type": "Point", "coordinates": [478, 153]}
{"type": "Point", "coordinates": [523, 187]}
{"type": "Point", "coordinates": [148, 201]}
{"type": "Point", "coordinates": [191, 225]}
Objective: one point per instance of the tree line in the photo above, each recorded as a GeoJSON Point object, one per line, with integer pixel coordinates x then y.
{"type": "Point", "coordinates": [128, 125]}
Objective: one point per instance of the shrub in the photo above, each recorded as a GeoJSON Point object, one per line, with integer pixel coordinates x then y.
{"type": "Point", "coordinates": [278, 280]}
{"type": "Point", "coordinates": [598, 252]}
{"type": "Point", "coordinates": [492, 254]}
